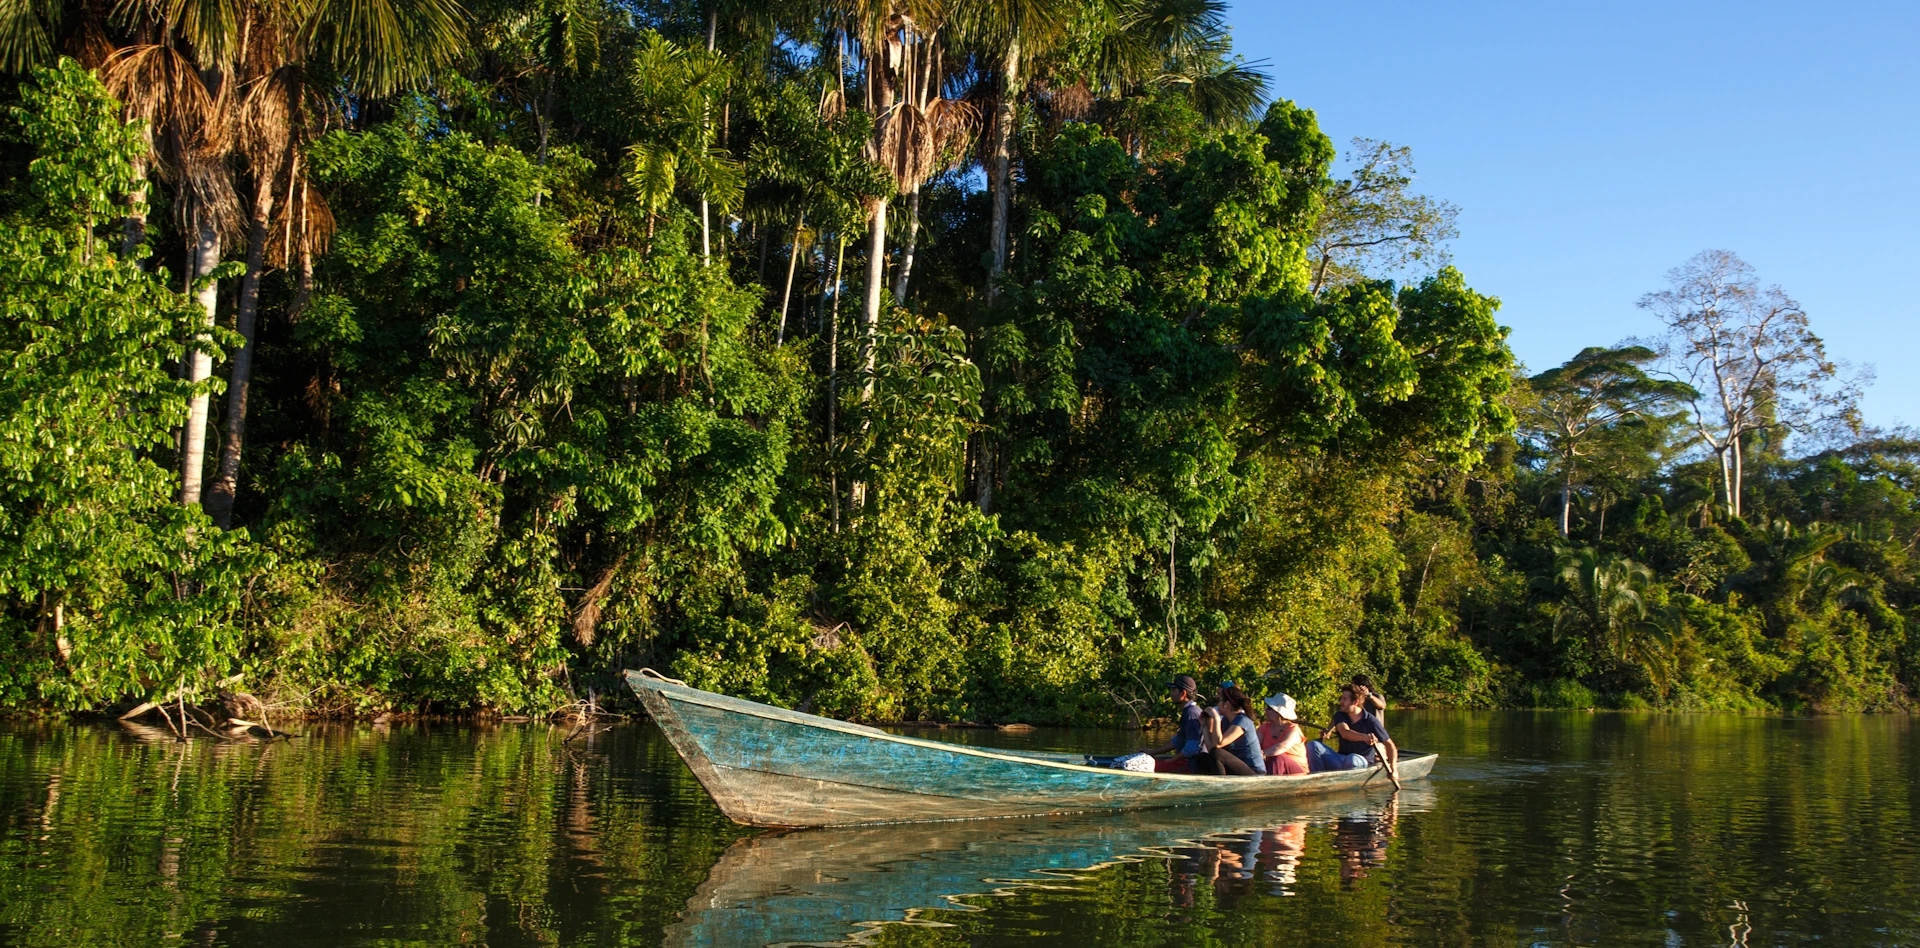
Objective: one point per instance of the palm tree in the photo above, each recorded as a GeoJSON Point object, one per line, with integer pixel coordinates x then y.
{"type": "Point", "coordinates": [1604, 597]}
{"type": "Point", "coordinates": [1008, 33]}
{"type": "Point", "coordinates": [375, 47]}
{"type": "Point", "coordinates": [1181, 45]}
{"type": "Point", "coordinates": [672, 89]}
{"type": "Point", "coordinates": [187, 104]}
{"type": "Point", "coordinates": [208, 77]}
{"type": "Point", "coordinates": [538, 43]}
{"type": "Point", "coordinates": [808, 165]}
{"type": "Point", "coordinates": [914, 126]}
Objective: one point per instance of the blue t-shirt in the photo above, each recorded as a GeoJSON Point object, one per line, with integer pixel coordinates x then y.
{"type": "Point", "coordinates": [1247, 745]}
{"type": "Point", "coordinates": [1365, 724]}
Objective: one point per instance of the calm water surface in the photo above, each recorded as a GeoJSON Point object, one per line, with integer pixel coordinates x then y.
{"type": "Point", "coordinates": [1537, 829]}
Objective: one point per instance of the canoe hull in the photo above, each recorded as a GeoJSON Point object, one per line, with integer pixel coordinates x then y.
{"type": "Point", "coordinates": [767, 766]}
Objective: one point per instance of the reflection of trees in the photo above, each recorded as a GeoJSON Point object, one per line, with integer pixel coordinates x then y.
{"type": "Point", "coordinates": [1642, 815]}
{"type": "Point", "coordinates": [1592, 829]}
{"type": "Point", "coordinates": [449, 834]}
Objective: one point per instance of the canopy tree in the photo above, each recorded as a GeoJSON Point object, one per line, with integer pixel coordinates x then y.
{"type": "Point", "coordinates": [1750, 354]}
{"type": "Point", "coordinates": [1600, 395]}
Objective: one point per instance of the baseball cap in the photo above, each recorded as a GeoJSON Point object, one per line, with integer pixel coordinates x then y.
{"type": "Point", "coordinates": [1185, 683]}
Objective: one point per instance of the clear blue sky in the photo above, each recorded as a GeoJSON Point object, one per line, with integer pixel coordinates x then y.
{"type": "Point", "coordinates": [1592, 147]}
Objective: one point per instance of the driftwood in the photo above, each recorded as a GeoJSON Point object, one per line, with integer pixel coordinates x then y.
{"type": "Point", "coordinates": [243, 715]}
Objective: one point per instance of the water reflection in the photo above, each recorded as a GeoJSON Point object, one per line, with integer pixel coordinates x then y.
{"type": "Point", "coordinates": [838, 885]}
{"type": "Point", "coordinates": [1537, 829]}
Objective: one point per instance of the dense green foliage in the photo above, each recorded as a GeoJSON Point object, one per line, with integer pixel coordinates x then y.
{"type": "Point", "coordinates": [548, 357]}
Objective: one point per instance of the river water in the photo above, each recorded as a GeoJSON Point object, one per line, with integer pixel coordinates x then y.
{"type": "Point", "coordinates": [1536, 829]}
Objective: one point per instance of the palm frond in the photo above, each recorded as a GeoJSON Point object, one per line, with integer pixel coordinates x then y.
{"type": "Point", "coordinates": [652, 175]}
{"type": "Point", "coordinates": [213, 28]}
{"type": "Point", "coordinates": [1228, 93]}
{"type": "Point", "coordinates": [382, 46]}
{"type": "Point", "coordinates": [27, 28]}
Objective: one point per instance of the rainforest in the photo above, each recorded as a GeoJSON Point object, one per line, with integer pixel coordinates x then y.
{"type": "Point", "coordinates": [898, 360]}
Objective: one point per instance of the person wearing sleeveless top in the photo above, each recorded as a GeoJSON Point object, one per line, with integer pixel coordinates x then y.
{"type": "Point", "coordinates": [1232, 739]}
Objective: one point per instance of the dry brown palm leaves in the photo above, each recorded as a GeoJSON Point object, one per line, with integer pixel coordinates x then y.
{"type": "Point", "coordinates": [1067, 104]}
{"type": "Point", "coordinates": [915, 142]}
{"type": "Point", "coordinates": [186, 128]}
{"type": "Point", "coordinates": [304, 224]}
{"type": "Point", "coordinates": [264, 132]}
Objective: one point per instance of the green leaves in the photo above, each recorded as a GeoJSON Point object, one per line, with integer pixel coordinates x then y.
{"type": "Point", "coordinates": [675, 94]}
{"type": "Point", "coordinates": [107, 589]}
{"type": "Point", "coordinates": [84, 153]}
{"type": "Point", "coordinates": [381, 47]}
{"type": "Point", "coordinates": [1415, 375]}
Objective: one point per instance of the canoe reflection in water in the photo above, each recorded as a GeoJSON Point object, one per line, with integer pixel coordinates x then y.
{"type": "Point", "coordinates": [1268, 860]}
{"type": "Point", "coordinates": [836, 886]}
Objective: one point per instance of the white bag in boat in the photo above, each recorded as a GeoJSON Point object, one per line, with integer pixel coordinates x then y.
{"type": "Point", "coordinates": [1139, 762]}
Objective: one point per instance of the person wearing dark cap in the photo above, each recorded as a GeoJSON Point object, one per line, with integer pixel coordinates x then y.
{"type": "Point", "coordinates": [1186, 743]}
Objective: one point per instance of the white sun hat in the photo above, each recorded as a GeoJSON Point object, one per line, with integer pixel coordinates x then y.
{"type": "Point", "coordinates": [1283, 704]}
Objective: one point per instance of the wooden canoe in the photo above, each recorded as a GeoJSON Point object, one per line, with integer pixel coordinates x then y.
{"type": "Point", "coordinates": [767, 766]}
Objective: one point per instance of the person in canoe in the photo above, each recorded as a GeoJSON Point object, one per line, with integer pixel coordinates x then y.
{"type": "Point", "coordinates": [1360, 735]}
{"type": "Point", "coordinates": [1187, 742]}
{"type": "Point", "coordinates": [1232, 739]}
{"type": "Point", "coordinates": [1371, 701]}
{"type": "Point", "coordinates": [1374, 704]}
{"type": "Point", "coordinates": [1281, 740]}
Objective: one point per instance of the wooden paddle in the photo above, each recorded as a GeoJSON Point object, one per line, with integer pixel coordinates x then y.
{"type": "Point", "coordinates": [1380, 750]}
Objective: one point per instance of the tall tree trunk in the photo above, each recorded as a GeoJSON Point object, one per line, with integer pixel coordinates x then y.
{"type": "Point", "coordinates": [833, 376]}
{"type": "Point", "coordinates": [869, 323]}
{"type": "Point", "coordinates": [303, 285]}
{"type": "Point", "coordinates": [826, 287]}
{"type": "Point", "coordinates": [1566, 504]}
{"type": "Point", "coordinates": [880, 88]}
{"type": "Point", "coordinates": [999, 169]}
{"type": "Point", "coordinates": [1726, 479]}
{"type": "Point", "coordinates": [1737, 482]}
{"type": "Point", "coordinates": [227, 481]}
{"type": "Point", "coordinates": [541, 122]}
{"type": "Point", "coordinates": [906, 250]}
{"type": "Point", "coordinates": [876, 275]}
{"type": "Point", "coordinates": [786, 295]}
{"type": "Point", "coordinates": [205, 256]}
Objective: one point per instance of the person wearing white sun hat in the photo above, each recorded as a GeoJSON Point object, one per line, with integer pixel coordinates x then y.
{"type": "Point", "coordinates": [1281, 741]}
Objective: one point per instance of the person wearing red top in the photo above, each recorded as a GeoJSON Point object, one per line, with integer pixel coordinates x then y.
{"type": "Point", "coordinates": [1280, 738]}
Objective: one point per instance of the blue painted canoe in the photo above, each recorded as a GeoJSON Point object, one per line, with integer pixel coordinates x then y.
{"type": "Point", "coordinates": [768, 766]}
